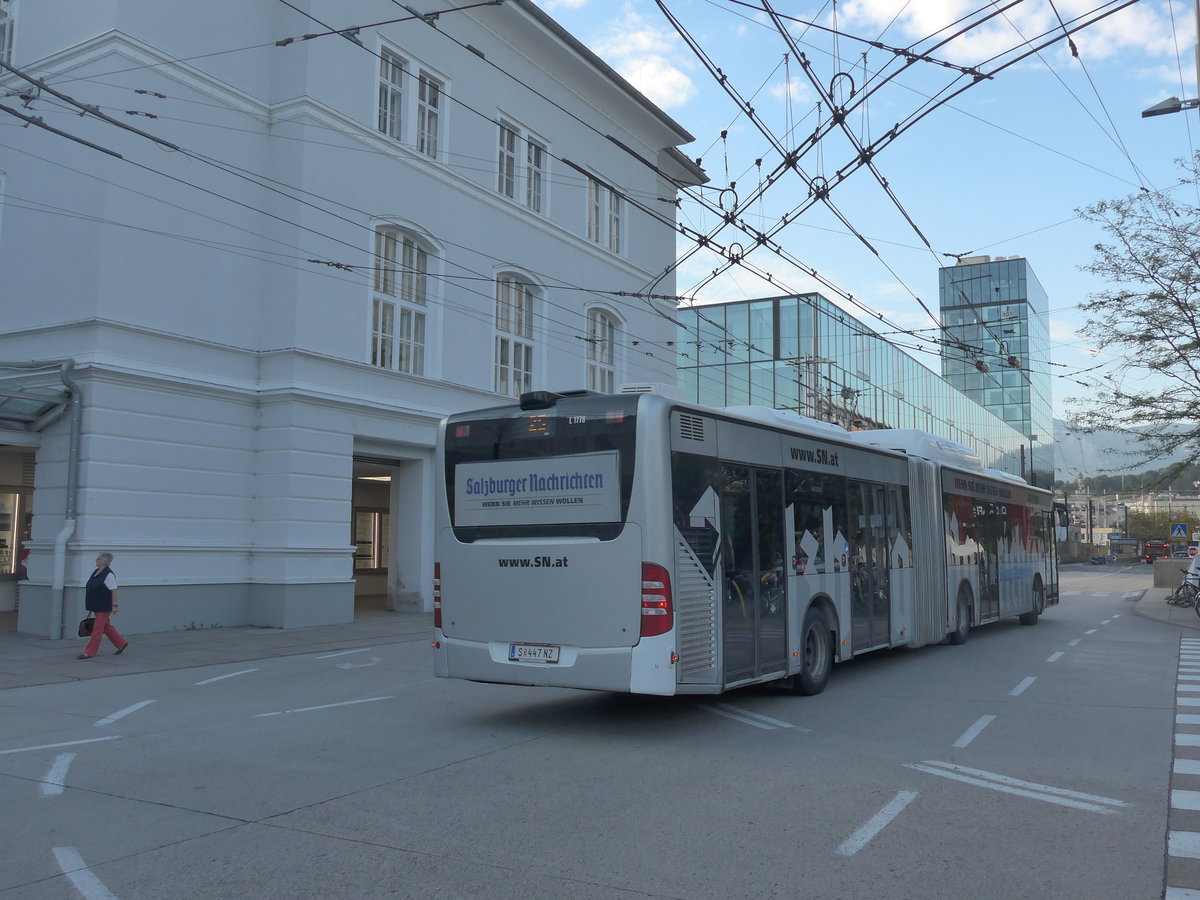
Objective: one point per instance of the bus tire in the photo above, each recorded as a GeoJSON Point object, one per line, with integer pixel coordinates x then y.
{"type": "Point", "coordinates": [962, 627]}
{"type": "Point", "coordinates": [1039, 604]}
{"type": "Point", "coordinates": [818, 654]}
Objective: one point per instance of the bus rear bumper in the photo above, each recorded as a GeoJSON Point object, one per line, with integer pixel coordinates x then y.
{"type": "Point", "coordinates": [597, 668]}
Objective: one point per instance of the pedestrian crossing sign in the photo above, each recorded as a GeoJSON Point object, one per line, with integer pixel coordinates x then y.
{"type": "Point", "coordinates": [1179, 531]}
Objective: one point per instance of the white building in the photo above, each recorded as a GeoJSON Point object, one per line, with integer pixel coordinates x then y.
{"type": "Point", "coordinates": [321, 244]}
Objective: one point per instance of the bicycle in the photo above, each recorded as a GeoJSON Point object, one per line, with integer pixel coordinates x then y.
{"type": "Point", "coordinates": [1186, 593]}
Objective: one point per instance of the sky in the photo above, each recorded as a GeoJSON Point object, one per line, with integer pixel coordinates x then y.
{"type": "Point", "coordinates": [999, 170]}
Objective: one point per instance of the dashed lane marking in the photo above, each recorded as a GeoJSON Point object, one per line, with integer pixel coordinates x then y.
{"type": "Point", "coordinates": [876, 824]}
{"type": "Point", "coordinates": [1020, 688]}
{"type": "Point", "coordinates": [114, 737]}
{"type": "Point", "coordinates": [84, 879]}
{"type": "Point", "coordinates": [52, 784]}
{"type": "Point", "coordinates": [223, 677]}
{"type": "Point", "coordinates": [121, 713]}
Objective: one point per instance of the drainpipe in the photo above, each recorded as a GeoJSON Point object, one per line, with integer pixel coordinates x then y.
{"type": "Point", "coordinates": [58, 592]}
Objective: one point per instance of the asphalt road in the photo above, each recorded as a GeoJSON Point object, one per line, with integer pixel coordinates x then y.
{"type": "Point", "coordinates": [1029, 762]}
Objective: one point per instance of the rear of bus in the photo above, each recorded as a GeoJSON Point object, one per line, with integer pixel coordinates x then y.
{"type": "Point", "coordinates": [542, 572]}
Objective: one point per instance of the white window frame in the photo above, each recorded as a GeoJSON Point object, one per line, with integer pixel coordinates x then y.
{"type": "Point", "coordinates": [400, 300]}
{"type": "Point", "coordinates": [430, 90]}
{"type": "Point", "coordinates": [8, 29]}
{"type": "Point", "coordinates": [605, 215]}
{"type": "Point", "coordinates": [390, 117]}
{"type": "Point", "coordinates": [521, 173]}
{"type": "Point", "coordinates": [516, 298]}
{"type": "Point", "coordinates": [602, 355]}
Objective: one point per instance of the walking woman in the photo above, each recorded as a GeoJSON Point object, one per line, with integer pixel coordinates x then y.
{"type": "Point", "coordinates": [101, 598]}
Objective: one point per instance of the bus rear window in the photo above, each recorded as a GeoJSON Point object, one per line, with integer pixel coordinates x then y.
{"type": "Point", "coordinates": [566, 471]}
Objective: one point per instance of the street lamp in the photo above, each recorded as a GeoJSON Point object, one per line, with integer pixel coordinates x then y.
{"type": "Point", "coordinates": [1168, 106]}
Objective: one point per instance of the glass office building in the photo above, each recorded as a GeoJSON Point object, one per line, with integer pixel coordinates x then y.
{"type": "Point", "coordinates": [803, 354]}
{"type": "Point", "coordinates": [995, 316]}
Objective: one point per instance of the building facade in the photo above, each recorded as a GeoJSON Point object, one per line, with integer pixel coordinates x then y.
{"type": "Point", "coordinates": [248, 315]}
{"type": "Point", "coordinates": [996, 320]}
{"type": "Point", "coordinates": [803, 354]}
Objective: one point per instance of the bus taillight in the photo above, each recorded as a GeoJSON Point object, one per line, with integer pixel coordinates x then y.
{"type": "Point", "coordinates": [657, 616]}
{"type": "Point", "coordinates": [437, 595]}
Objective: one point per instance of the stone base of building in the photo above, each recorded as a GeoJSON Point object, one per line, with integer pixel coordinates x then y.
{"type": "Point", "coordinates": [150, 608]}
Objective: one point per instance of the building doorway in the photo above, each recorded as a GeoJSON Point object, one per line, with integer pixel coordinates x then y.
{"type": "Point", "coordinates": [393, 551]}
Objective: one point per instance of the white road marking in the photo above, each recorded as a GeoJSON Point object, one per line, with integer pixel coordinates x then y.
{"type": "Point", "coordinates": [121, 713]}
{"type": "Point", "coordinates": [1008, 785]}
{"type": "Point", "coordinates": [746, 717]}
{"type": "Point", "coordinates": [1174, 893]}
{"type": "Point", "coordinates": [52, 784]}
{"type": "Point", "coordinates": [115, 737]}
{"type": "Point", "coordinates": [1054, 657]}
{"type": "Point", "coordinates": [223, 677]}
{"type": "Point", "coordinates": [1189, 677]}
{"type": "Point", "coordinates": [1187, 701]}
{"type": "Point", "coordinates": [1187, 687]}
{"type": "Point", "coordinates": [1020, 688]}
{"type": "Point", "coordinates": [85, 881]}
{"type": "Point", "coordinates": [1186, 767]}
{"type": "Point", "coordinates": [1183, 843]}
{"type": "Point", "coordinates": [322, 706]}
{"type": "Point", "coordinates": [1106, 621]}
{"type": "Point", "coordinates": [373, 661]}
{"type": "Point", "coordinates": [1068, 593]}
{"type": "Point", "coordinates": [973, 732]}
{"type": "Point", "coordinates": [1091, 631]}
{"type": "Point", "coordinates": [876, 824]}
{"type": "Point", "coordinates": [1185, 799]}
{"type": "Point", "coordinates": [1073, 643]}
{"type": "Point", "coordinates": [1187, 740]}
{"type": "Point", "coordinates": [1185, 719]}
{"type": "Point", "coordinates": [1101, 593]}
{"type": "Point", "coordinates": [345, 652]}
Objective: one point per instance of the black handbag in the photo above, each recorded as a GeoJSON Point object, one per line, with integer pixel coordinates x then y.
{"type": "Point", "coordinates": [86, 626]}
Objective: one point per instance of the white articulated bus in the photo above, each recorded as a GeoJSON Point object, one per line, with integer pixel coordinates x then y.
{"type": "Point", "coordinates": [629, 542]}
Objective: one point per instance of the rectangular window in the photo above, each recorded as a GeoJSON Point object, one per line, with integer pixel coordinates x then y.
{"type": "Point", "coordinates": [614, 221]}
{"type": "Point", "coordinates": [514, 367]}
{"type": "Point", "coordinates": [507, 174]}
{"type": "Point", "coordinates": [535, 155]}
{"type": "Point", "coordinates": [429, 102]}
{"type": "Point", "coordinates": [602, 332]}
{"type": "Point", "coordinates": [8, 25]}
{"type": "Point", "coordinates": [514, 320]}
{"type": "Point", "coordinates": [398, 328]}
{"type": "Point", "coordinates": [605, 216]}
{"type": "Point", "coordinates": [521, 169]}
{"type": "Point", "coordinates": [594, 210]}
{"type": "Point", "coordinates": [391, 94]}
{"type": "Point", "coordinates": [383, 323]}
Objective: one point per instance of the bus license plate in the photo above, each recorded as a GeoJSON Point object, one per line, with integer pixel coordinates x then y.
{"type": "Point", "coordinates": [543, 653]}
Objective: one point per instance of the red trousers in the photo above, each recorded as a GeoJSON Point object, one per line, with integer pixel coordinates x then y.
{"type": "Point", "coordinates": [103, 627]}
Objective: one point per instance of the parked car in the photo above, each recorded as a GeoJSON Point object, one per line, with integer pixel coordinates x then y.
{"type": "Point", "coordinates": [1099, 560]}
{"type": "Point", "coordinates": [1181, 554]}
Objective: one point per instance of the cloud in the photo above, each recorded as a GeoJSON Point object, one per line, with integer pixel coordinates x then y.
{"type": "Point", "coordinates": [1144, 28]}
{"type": "Point", "coordinates": [795, 89]}
{"type": "Point", "coordinates": [651, 58]}
{"type": "Point", "coordinates": [552, 5]}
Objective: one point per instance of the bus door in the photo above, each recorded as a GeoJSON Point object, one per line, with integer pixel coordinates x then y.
{"type": "Point", "coordinates": [870, 606]}
{"type": "Point", "coordinates": [754, 634]}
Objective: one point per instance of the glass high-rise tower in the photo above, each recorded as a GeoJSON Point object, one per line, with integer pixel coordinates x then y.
{"type": "Point", "coordinates": [995, 318]}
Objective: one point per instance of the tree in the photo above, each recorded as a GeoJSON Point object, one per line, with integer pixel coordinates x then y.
{"type": "Point", "coordinates": [1150, 314]}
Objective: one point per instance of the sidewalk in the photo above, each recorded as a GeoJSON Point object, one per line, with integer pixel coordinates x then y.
{"type": "Point", "coordinates": [27, 660]}
{"type": "Point", "coordinates": [1154, 606]}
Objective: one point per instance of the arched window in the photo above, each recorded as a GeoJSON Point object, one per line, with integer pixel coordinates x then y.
{"type": "Point", "coordinates": [514, 335]}
{"type": "Point", "coordinates": [399, 301]}
{"type": "Point", "coordinates": [601, 341]}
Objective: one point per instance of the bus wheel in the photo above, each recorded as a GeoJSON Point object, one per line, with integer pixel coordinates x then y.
{"type": "Point", "coordinates": [818, 655]}
{"type": "Point", "coordinates": [1039, 604]}
{"type": "Point", "coordinates": [962, 629]}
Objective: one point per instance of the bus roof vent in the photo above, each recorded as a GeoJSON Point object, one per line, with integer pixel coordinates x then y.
{"type": "Point", "coordinates": [691, 428]}
{"type": "Point", "coordinates": [670, 391]}
{"type": "Point", "coordinates": [539, 399]}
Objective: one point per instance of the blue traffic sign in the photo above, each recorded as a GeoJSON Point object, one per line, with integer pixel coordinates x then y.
{"type": "Point", "coordinates": [1179, 531]}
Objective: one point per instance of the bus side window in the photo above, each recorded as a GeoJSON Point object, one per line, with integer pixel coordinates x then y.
{"type": "Point", "coordinates": [819, 514]}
